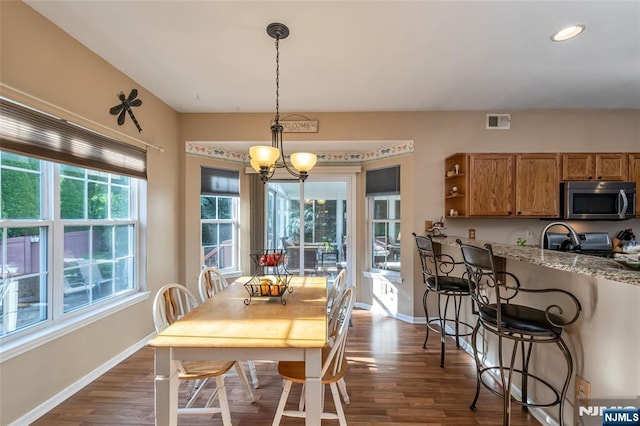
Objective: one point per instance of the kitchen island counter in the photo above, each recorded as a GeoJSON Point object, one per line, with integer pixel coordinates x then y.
{"type": "Point", "coordinates": [599, 267]}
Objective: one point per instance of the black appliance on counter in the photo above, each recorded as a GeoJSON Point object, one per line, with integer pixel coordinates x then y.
{"type": "Point", "coordinates": [591, 243]}
{"type": "Point", "coordinates": [598, 200]}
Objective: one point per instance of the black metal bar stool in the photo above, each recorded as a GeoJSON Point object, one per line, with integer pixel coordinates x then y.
{"type": "Point", "coordinates": [494, 293]}
{"type": "Point", "coordinates": [435, 274]}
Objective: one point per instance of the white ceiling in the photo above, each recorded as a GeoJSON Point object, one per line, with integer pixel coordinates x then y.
{"type": "Point", "coordinates": [215, 56]}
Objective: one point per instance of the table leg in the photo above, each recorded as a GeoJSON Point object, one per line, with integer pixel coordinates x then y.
{"type": "Point", "coordinates": [313, 386]}
{"type": "Point", "coordinates": [166, 388]}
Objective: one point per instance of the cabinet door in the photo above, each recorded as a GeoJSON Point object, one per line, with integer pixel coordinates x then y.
{"type": "Point", "coordinates": [634, 176]}
{"type": "Point", "coordinates": [537, 185]}
{"type": "Point", "coordinates": [491, 184]}
{"type": "Point", "coordinates": [578, 166]}
{"type": "Point", "coordinates": [611, 166]}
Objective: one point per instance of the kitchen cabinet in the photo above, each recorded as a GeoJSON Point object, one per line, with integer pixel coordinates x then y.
{"type": "Point", "coordinates": [502, 185]}
{"type": "Point", "coordinates": [490, 183]}
{"type": "Point", "coordinates": [537, 183]}
{"type": "Point", "coordinates": [455, 185]}
{"type": "Point", "coordinates": [594, 166]}
{"type": "Point", "coordinates": [634, 176]}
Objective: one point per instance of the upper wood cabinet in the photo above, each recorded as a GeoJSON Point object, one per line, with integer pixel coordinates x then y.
{"type": "Point", "coordinates": [634, 176]}
{"type": "Point", "coordinates": [537, 185]}
{"type": "Point", "coordinates": [594, 166]}
{"type": "Point", "coordinates": [491, 184]}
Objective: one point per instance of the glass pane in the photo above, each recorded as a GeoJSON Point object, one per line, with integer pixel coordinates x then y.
{"type": "Point", "coordinates": [23, 300]}
{"type": "Point", "coordinates": [102, 242]}
{"type": "Point", "coordinates": [77, 290]}
{"type": "Point", "coordinates": [121, 180]}
{"type": "Point", "coordinates": [71, 171]}
{"type": "Point", "coordinates": [20, 198]}
{"type": "Point", "coordinates": [123, 275]}
{"type": "Point", "coordinates": [380, 210]}
{"type": "Point", "coordinates": [72, 198]}
{"type": "Point", "coordinates": [98, 200]}
{"type": "Point", "coordinates": [209, 234]}
{"type": "Point", "coordinates": [97, 176]}
{"type": "Point", "coordinates": [119, 202]}
{"type": "Point", "coordinates": [208, 207]}
{"type": "Point", "coordinates": [308, 222]}
{"type": "Point", "coordinates": [225, 208]}
{"type": "Point", "coordinates": [395, 211]}
{"type": "Point", "coordinates": [124, 240]}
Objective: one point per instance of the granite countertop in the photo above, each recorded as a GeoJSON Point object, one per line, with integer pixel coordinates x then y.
{"type": "Point", "coordinates": [598, 267]}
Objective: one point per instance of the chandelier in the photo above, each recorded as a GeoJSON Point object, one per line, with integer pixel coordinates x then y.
{"type": "Point", "coordinates": [266, 159]}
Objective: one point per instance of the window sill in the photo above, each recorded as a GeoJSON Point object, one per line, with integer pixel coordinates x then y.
{"type": "Point", "coordinates": [32, 340]}
{"type": "Point", "coordinates": [391, 276]}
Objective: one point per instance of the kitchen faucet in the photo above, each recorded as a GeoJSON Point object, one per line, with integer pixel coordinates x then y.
{"type": "Point", "coordinates": [575, 241]}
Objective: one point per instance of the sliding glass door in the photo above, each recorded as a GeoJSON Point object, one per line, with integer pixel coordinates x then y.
{"type": "Point", "coordinates": [311, 222]}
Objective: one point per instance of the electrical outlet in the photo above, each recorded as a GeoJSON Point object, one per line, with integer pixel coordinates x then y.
{"type": "Point", "coordinates": [529, 234]}
{"type": "Point", "coordinates": [583, 390]}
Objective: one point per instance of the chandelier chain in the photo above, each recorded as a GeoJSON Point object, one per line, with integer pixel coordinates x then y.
{"type": "Point", "coordinates": [277, 79]}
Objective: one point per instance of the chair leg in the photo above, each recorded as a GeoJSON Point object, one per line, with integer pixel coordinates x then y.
{"type": "Point", "coordinates": [525, 373]}
{"type": "Point", "coordinates": [282, 403]}
{"type": "Point", "coordinates": [224, 402]}
{"type": "Point", "coordinates": [338, 404]}
{"type": "Point", "coordinates": [507, 385]}
{"type": "Point", "coordinates": [254, 374]}
{"type": "Point", "coordinates": [457, 303]}
{"type": "Point", "coordinates": [426, 314]}
{"type": "Point", "coordinates": [245, 382]}
{"type": "Point", "coordinates": [342, 386]}
{"type": "Point", "coordinates": [474, 338]}
{"type": "Point", "coordinates": [443, 324]}
{"type": "Point", "coordinates": [567, 356]}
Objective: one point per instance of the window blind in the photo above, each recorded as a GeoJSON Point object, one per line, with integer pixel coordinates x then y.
{"type": "Point", "coordinates": [219, 182]}
{"type": "Point", "coordinates": [27, 131]}
{"type": "Point", "coordinates": [383, 181]}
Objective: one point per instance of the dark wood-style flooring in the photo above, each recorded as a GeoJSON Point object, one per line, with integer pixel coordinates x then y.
{"type": "Point", "coordinates": [391, 381]}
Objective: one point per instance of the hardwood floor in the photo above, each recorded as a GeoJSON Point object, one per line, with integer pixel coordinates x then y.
{"type": "Point", "coordinates": [391, 381]}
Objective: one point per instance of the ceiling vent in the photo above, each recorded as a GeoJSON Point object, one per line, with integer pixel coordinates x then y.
{"type": "Point", "coordinates": [499, 121]}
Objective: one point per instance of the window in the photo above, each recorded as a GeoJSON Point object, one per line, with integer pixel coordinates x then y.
{"type": "Point", "coordinates": [383, 193]}
{"type": "Point", "coordinates": [68, 241]}
{"type": "Point", "coordinates": [219, 210]}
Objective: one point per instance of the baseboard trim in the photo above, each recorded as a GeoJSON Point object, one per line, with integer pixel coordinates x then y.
{"type": "Point", "coordinates": [66, 393]}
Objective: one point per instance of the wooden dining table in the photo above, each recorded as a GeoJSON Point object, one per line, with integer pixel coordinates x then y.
{"type": "Point", "coordinates": [226, 328]}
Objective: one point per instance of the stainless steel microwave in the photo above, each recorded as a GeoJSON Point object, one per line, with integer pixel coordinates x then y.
{"type": "Point", "coordinates": [598, 200]}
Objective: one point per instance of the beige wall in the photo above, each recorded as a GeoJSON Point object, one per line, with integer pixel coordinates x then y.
{"type": "Point", "coordinates": [43, 61]}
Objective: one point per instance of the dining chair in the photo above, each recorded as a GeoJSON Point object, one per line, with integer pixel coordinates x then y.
{"type": "Point", "coordinates": [210, 282]}
{"type": "Point", "coordinates": [171, 303]}
{"type": "Point", "coordinates": [334, 366]}
{"type": "Point", "coordinates": [335, 293]}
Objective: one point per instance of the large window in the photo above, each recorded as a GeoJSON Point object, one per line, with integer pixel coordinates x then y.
{"type": "Point", "coordinates": [68, 241]}
{"type": "Point", "coordinates": [219, 209]}
{"type": "Point", "coordinates": [383, 193]}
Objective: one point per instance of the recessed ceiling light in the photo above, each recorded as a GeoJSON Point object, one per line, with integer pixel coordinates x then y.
{"type": "Point", "coordinates": [567, 33]}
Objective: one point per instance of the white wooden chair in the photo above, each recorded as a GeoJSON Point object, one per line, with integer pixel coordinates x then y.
{"type": "Point", "coordinates": [334, 366]}
{"type": "Point", "coordinates": [171, 303]}
{"type": "Point", "coordinates": [210, 282]}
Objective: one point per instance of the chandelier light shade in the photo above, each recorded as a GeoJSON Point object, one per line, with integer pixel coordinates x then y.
{"type": "Point", "coordinates": [266, 159]}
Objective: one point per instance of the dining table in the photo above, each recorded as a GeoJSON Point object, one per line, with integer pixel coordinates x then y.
{"type": "Point", "coordinates": [234, 326]}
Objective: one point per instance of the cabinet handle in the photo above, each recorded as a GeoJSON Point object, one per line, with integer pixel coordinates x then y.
{"type": "Point", "coordinates": [599, 177]}
{"type": "Point", "coordinates": [519, 213]}
{"type": "Point", "coordinates": [590, 177]}
{"type": "Point", "coordinates": [509, 212]}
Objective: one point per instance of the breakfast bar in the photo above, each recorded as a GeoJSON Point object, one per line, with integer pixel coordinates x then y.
{"type": "Point", "coordinates": [605, 340]}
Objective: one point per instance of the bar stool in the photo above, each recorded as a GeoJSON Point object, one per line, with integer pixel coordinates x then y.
{"type": "Point", "coordinates": [435, 274]}
{"type": "Point", "coordinates": [494, 292]}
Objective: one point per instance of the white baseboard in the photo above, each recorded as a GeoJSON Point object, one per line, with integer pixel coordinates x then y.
{"type": "Point", "coordinates": [66, 393]}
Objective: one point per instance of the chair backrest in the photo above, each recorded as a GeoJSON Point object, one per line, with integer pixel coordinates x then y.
{"type": "Point", "coordinates": [210, 282]}
{"type": "Point", "coordinates": [337, 288]}
{"type": "Point", "coordinates": [433, 265]}
{"type": "Point", "coordinates": [483, 279]}
{"type": "Point", "coordinates": [338, 326]}
{"type": "Point", "coordinates": [172, 302]}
